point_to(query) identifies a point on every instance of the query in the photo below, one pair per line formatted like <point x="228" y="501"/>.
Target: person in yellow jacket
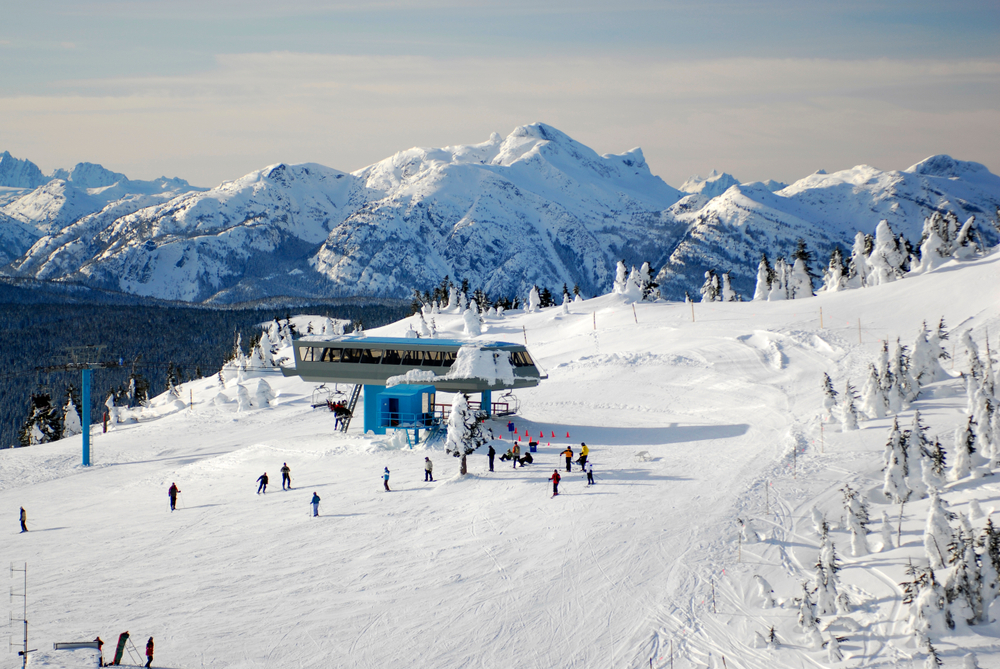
<point x="584" y="452"/>
<point x="569" y="458"/>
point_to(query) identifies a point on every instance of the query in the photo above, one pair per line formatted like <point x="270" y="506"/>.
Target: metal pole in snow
<point x="692" y="311"/>
<point x="637" y="320"/>
<point x="821" y="318"/>
<point x="525" y="335"/>
<point x="85" y="415"/>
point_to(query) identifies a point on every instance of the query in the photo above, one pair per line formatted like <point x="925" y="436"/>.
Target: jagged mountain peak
<point x="713" y="185"/>
<point x="19" y="173"/>
<point x="945" y="166"/>
<point x="90" y="175"/>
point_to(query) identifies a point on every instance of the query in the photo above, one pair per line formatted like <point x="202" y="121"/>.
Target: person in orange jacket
<point x="555" y="482"/>
<point x="569" y="458"/>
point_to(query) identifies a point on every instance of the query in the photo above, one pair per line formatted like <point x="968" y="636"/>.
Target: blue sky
<point x="212" y="90"/>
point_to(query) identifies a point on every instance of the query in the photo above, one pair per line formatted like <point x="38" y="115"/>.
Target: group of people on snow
<point x="123" y="639"/>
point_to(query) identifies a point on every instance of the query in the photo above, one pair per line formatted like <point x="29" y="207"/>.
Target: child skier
<point x="315" y="503"/>
<point x="569" y="458"/>
<point x="590" y="473"/>
<point x="555" y="482"/>
<point x="385" y="479"/>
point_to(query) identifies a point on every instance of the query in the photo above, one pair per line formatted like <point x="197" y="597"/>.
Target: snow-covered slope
<point x="713" y="185"/>
<point x="691" y="424"/>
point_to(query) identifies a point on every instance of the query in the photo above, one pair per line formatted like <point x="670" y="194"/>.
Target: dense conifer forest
<point x="142" y="337"/>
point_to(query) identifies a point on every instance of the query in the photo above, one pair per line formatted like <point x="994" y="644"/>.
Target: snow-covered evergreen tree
<point x="710" y="289"/>
<point x="565" y="303"/>
<point x="965" y="446"/>
<point x="873" y="403"/>
<point x="848" y="410"/>
<point x="649" y="287"/>
<point x="764" y="273"/>
<point x="833" y="652"/>
<point x="989" y="567"/>
<point x="925" y="363"/>
<point x="963" y="586"/>
<point x="973" y="362"/>
<point x="857" y="520"/>
<point x="934" y="470"/>
<point x="765" y="592"/>
<point x="836" y="273"/>
<point x="829" y="398"/>
<point x="887" y="259"/>
<point x="896" y="467"/>
<point x="799" y="281"/>
<point x="466" y="432"/>
<point x="71" y="423"/>
<point x="829" y="598"/>
<point x="728" y="294"/>
<point x="858" y="268"/>
<point x="918" y="455"/>
<point x="934" y="251"/>
<point x="938" y="534"/>
<point x="263" y="395"/>
<point x="473" y="322"/>
<point x="929" y="613"/>
<point x="886" y="531"/>
<point x="807" y="617"/>
<point x="242" y="398"/>
<point x="779" y="281"/>
<point x="621" y="278"/>
<point x="900" y="368"/>
<point x="534" y="300"/>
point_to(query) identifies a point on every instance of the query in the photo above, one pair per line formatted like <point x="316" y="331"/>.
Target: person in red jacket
<point x="555" y="482"/>
<point x="149" y="652"/>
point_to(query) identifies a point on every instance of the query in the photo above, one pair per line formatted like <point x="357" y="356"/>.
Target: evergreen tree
<point x="963" y="587"/>
<point x="934" y="468"/>
<point x="43" y="423"/>
<point x="895" y="487"/>
<point x="621" y="278"/>
<point x="647" y="284"/>
<point x="829" y="398"/>
<point x="545" y="298"/>
<point x="938" y="534"/>
<point x="848" y="410"/>
<point x="887" y="258"/>
<point x="710" y="289"/>
<point x="71" y="423"/>
<point x="858" y="268"/>
<point x="857" y="520"/>
<point x="728" y="294"/>
<point x="534" y="300"/>
<point x="989" y="567"/>
<point x="800" y="283"/>
<point x="965" y="446"/>
<point x="872" y="400"/>
<point x="466" y="431"/>
<point x="764" y="274"/>
<point x="886" y="531"/>
<point x="836" y="273"/>
<point x="779" y="281"/>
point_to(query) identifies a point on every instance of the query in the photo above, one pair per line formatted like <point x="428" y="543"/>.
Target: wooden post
<point x="633" y="314"/>
<point x="859" y="329"/>
<point x="821" y="318"/>
<point x="899" y="528"/>
<point x="692" y="311"/>
<point x="525" y="335"/>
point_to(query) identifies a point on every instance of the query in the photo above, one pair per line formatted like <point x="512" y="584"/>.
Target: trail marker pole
<point x="671" y="654"/>
<point x="191" y="402"/>
<point x="85" y="415"/>
<point x="595" y="320"/>
<point x="692" y="311"/>
<point x="859" y="330"/>
<point x="637" y="320"/>
<point x="821" y="318"/>
<point x="525" y="331"/>
<point x="899" y="527"/>
<point x="739" y="555"/>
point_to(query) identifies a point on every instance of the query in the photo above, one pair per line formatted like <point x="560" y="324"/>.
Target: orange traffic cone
<point x="553" y="435"/>
<point x="500" y="437"/>
<point x="541" y="435"/>
<point x="567" y="435"/>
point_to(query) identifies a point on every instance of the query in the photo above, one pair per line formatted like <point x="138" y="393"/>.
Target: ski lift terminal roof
<point x="374" y="360"/>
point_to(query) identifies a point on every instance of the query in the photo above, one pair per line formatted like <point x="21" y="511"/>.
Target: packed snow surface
<point x="696" y="416"/>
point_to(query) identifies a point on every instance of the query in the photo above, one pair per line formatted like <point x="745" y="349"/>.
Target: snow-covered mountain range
<point x="534" y="208"/>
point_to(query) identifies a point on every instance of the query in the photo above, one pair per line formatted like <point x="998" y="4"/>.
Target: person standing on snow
<point x="24" y="519"/>
<point x="262" y="479"/>
<point x="569" y="458"/>
<point x="100" y="651"/>
<point x="590" y="473"/>
<point x="428" y="470"/>
<point x="584" y="452"/>
<point x="149" y="652"/>
<point x="517" y="454"/>
<point x="315" y="503"/>
<point x="172" y="494"/>
<point x="286" y="476"/>
<point x="385" y="479"/>
<point x="555" y="482"/>
<point x="491" y="454"/>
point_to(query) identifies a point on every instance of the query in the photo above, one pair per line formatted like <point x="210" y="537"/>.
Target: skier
<point x="491" y="454"/>
<point x="172" y="494"/>
<point x="385" y="479"/>
<point x="24" y="519"/>
<point x="315" y="503"/>
<point x="555" y="482"/>
<point x="590" y="473"/>
<point x="516" y="452"/>
<point x="584" y="452"/>
<point x="286" y="476"/>
<point x="569" y="458"/>
<point x="149" y="652"/>
<point x="122" y="638"/>
<point x="262" y="488"/>
<point x="428" y="470"/>
<point x="100" y="651"/>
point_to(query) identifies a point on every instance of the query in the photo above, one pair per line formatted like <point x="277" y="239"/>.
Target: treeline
<point x="158" y="344"/>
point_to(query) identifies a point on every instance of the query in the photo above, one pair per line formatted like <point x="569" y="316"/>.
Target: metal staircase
<point x="353" y="402"/>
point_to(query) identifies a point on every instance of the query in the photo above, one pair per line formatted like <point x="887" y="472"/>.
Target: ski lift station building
<point x="372" y="361"/>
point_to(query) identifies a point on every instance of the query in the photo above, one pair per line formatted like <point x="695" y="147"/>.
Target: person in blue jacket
<point x="315" y="503"/>
<point x="385" y="479"/>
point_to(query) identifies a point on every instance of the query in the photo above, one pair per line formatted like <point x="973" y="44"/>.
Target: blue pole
<point x="85" y="416"/>
<point x="486" y="402"/>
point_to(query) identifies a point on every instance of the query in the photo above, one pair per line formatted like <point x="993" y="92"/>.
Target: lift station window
<point x="371" y="356"/>
<point x="391" y="357"/>
<point x="412" y="358"/>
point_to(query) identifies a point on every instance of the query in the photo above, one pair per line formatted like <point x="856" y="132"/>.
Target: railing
<point x="498" y="409"/>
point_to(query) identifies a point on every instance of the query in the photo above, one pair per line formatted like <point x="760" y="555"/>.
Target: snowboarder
<point x="100" y="651"/>
<point x="555" y="482"/>
<point x="569" y="458"/>
<point x="149" y="652"/>
<point x="385" y="479"/>
<point x="491" y="454"/>
<point x="286" y="476"/>
<point x="584" y="452"/>
<point x="428" y="470"/>
<point x="590" y="473"/>
<point x="24" y="519"/>
<point x="315" y="503"/>
<point x="172" y="494"/>
<point x="122" y="638"/>
<point x="516" y="451"/>
<point x="262" y="488"/>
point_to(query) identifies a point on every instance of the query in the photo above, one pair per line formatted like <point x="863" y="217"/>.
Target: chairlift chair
<point x="321" y="396"/>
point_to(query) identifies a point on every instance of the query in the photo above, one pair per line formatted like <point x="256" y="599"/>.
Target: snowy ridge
<point x="533" y="208"/>
<point x="709" y="453"/>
